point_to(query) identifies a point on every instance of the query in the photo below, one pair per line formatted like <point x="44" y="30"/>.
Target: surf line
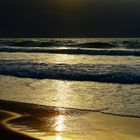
<point x="10" y="116"/>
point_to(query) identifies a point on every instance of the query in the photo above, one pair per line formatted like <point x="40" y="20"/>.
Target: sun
<point x="64" y="4"/>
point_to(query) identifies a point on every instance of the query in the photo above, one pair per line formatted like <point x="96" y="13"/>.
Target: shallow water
<point x="69" y="58"/>
<point x="104" y="97"/>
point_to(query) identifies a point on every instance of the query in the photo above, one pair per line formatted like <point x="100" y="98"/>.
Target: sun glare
<point x="59" y="124"/>
<point x="59" y="137"/>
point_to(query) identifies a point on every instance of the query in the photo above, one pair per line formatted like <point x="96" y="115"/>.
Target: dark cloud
<point x="69" y="18"/>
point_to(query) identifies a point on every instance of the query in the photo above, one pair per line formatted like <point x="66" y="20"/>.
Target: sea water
<point x="90" y="74"/>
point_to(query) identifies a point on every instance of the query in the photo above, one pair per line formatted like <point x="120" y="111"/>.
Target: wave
<point x="79" y="72"/>
<point x="35" y="43"/>
<point x="71" y="43"/>
<point x="93" y="45"/>
<point x="73" y="51"/>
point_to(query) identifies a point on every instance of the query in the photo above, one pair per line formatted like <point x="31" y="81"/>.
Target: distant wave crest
<point x="71" y="43"/>
<point x="73" y="51"/>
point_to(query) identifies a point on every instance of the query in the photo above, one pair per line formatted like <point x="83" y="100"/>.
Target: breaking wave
<point x="133" y="44"/>
<point x="79" y="72"/>
<point x="73" y="51"/>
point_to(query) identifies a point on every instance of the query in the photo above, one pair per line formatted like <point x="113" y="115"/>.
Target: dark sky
<point x="69" y="18"/>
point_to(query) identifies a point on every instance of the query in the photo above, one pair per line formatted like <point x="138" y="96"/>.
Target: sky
<point x="69" y="18"/>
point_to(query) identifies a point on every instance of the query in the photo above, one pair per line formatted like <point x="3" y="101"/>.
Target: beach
<point x="6" y="132"/>
<point x="78" y="124"/>
<point x="70" y="89"/>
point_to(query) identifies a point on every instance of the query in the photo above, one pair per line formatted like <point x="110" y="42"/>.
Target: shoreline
<point x="6" y="132"/>
<point x="10" y="106"/>
<point x="87" y="124"/>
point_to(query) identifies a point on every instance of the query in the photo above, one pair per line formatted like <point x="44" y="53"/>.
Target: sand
<point x="51" y="123"/>
<point x="7" y="132"/>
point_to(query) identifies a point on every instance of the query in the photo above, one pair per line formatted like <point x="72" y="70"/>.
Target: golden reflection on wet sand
<point x="76" y="125"/>
<point x="59" y="124"/>
<point x="58" y="137"/>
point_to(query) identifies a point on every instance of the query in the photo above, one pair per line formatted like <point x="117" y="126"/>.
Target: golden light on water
<point x="63" y="58"/>
<point x="62" y="93"/>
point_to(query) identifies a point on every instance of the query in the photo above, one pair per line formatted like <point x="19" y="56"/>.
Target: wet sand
<point x="6" y="132"/>
<point x="24" y="121"/>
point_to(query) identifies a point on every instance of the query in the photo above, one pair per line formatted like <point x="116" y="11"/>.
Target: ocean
<point x="89" y="74"/>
